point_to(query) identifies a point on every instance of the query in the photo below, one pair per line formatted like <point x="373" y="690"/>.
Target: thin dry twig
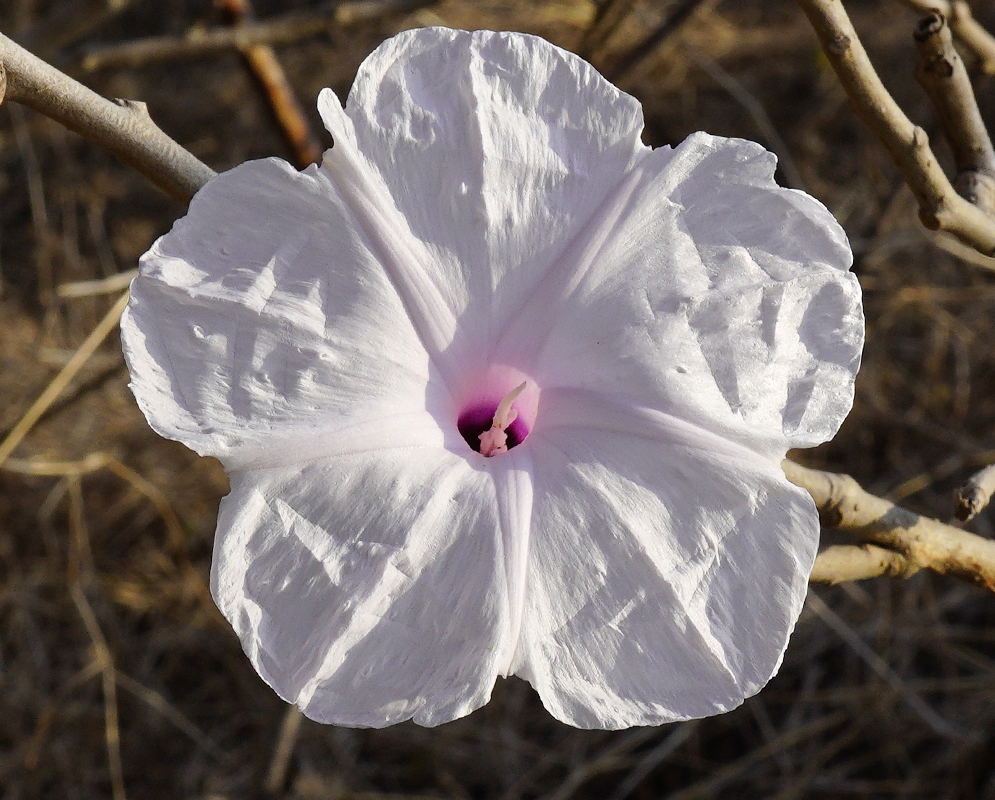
<point x="942" y="74"/>
<point x="123" y="127"/>
<point x="276" y="775"/>
<point x="262" y="61"/>
<point x="678" y="15"/>
<point x="281" y="30"/>
<point x="975" y="494"/>
<point x="169" y="712"/>
<point x="68" y="22"/>
<point x="200" y="42"/>
<point x="109" y="285"/>
<point x="940" y="207"/>
<point x="102" y="653"/>
<point x="926" y="543"/>
<point x="606" y="20"/>
<point x="714" y="783"/>
<point x="74" y="470"/>
<point x="842" y="563"/>
<point x="768" y="133"/>
<point x="652" y="759"/>
<point x="880" y="666"/>
<point x="62" y="380"/>
<point x="965" y="27"/>
<point x="614" y="757"/>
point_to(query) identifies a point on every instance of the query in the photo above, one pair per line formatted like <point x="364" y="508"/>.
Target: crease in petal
<point x="526" y="332"/>
<point x="582" y="410"/>
<point x="347" y="437"/>
<point x="513" y="481"/>
<point x="401" y="254"/>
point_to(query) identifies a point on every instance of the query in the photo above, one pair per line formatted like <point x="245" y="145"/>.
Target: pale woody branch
<point x="942" y="74"/>
<point x="925" y="543"/>
<point x="940" y="207"/>
<point x="842" y="563"/>
<point x="124" y="128"/>
<point x="975" y="494"/>
<point x="965" y="27"/>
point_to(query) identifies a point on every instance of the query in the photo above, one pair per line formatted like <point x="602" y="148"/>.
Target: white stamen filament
<point x="495" y="439"/>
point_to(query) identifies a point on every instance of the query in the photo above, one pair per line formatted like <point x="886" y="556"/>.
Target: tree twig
<point x="286" y="29"/>
<point x="266" y="69"/>
<point x="675" y="19"/>
<point x="124" y="128"/>
<point x="62" y="380"/>
<point x="965" y="27"/>
<point x="925" y="711"/>
<point x="198" y="42"/>
<point x="276" y="775"/>
<point x="940" y="207"/>
<point x="942" y="74"/>
<point x="842" y="563"/>
<point x="67" y="22"/>
<point x="925" y="542"/>
<point x="606" y="20"/>
<point x="770" y="137"/>
<point x="972" y="497"/>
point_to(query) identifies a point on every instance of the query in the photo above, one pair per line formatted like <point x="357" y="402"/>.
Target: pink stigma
<point x="495" y="440"/>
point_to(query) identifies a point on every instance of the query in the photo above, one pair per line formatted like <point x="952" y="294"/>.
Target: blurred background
<point x="118" y="676"/>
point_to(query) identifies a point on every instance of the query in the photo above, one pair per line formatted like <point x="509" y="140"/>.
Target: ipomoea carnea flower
<point x="503" y="391"/>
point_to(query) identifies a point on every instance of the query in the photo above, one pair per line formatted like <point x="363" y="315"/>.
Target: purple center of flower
<point x="497" y="408"/>
<point x="493" y="429"/>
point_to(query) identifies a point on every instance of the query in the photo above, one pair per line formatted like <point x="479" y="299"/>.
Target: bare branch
<point x="62" y="380"/>
<point x="281" y="30"/>
<point x="940" y="207"/>
<point x="68" y="22"/>
<point x="197" y="42"/>
<point x="925" y="542"/>
<point x="970" y="32"/>
<point x="965" y="27"/>
<point x="265" y="66"/>
<point x="276" y="775"/>
<point x="124" y="128"/>
<point x="975" y="494"/>
<point x="942" y="74"/>
<point x="678" y="15"/>
<point x="606" y="20"/>
<point x="842" y="563"/>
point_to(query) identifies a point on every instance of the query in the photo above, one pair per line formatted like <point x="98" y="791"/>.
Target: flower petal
<point x="368" y="590"/>
<point x="496" y="147"/>
<point x="717" y="297"/>
<point x="665" y="572"/>
<point x="263" y="320"/>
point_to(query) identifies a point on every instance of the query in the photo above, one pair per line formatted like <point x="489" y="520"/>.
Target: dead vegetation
<point x="117" y="675"/>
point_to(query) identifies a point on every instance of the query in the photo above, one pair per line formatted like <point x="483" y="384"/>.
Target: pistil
<point x="495" y="440"/>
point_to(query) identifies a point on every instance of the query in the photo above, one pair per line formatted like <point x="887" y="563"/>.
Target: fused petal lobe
<point x="665" y="574"/>
<point x="497" y="148"/>
<point x="349" y="583"/>
<point x="718" y="297"/>
<point x="263" y="317"/>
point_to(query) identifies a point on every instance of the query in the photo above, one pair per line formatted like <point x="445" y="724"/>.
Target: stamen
<point x="495" y="440"/>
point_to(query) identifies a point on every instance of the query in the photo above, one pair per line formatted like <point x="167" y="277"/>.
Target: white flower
<point x="339" y="337"/>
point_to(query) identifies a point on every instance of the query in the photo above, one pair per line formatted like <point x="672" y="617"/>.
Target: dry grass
<point x="117" y="675"/>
